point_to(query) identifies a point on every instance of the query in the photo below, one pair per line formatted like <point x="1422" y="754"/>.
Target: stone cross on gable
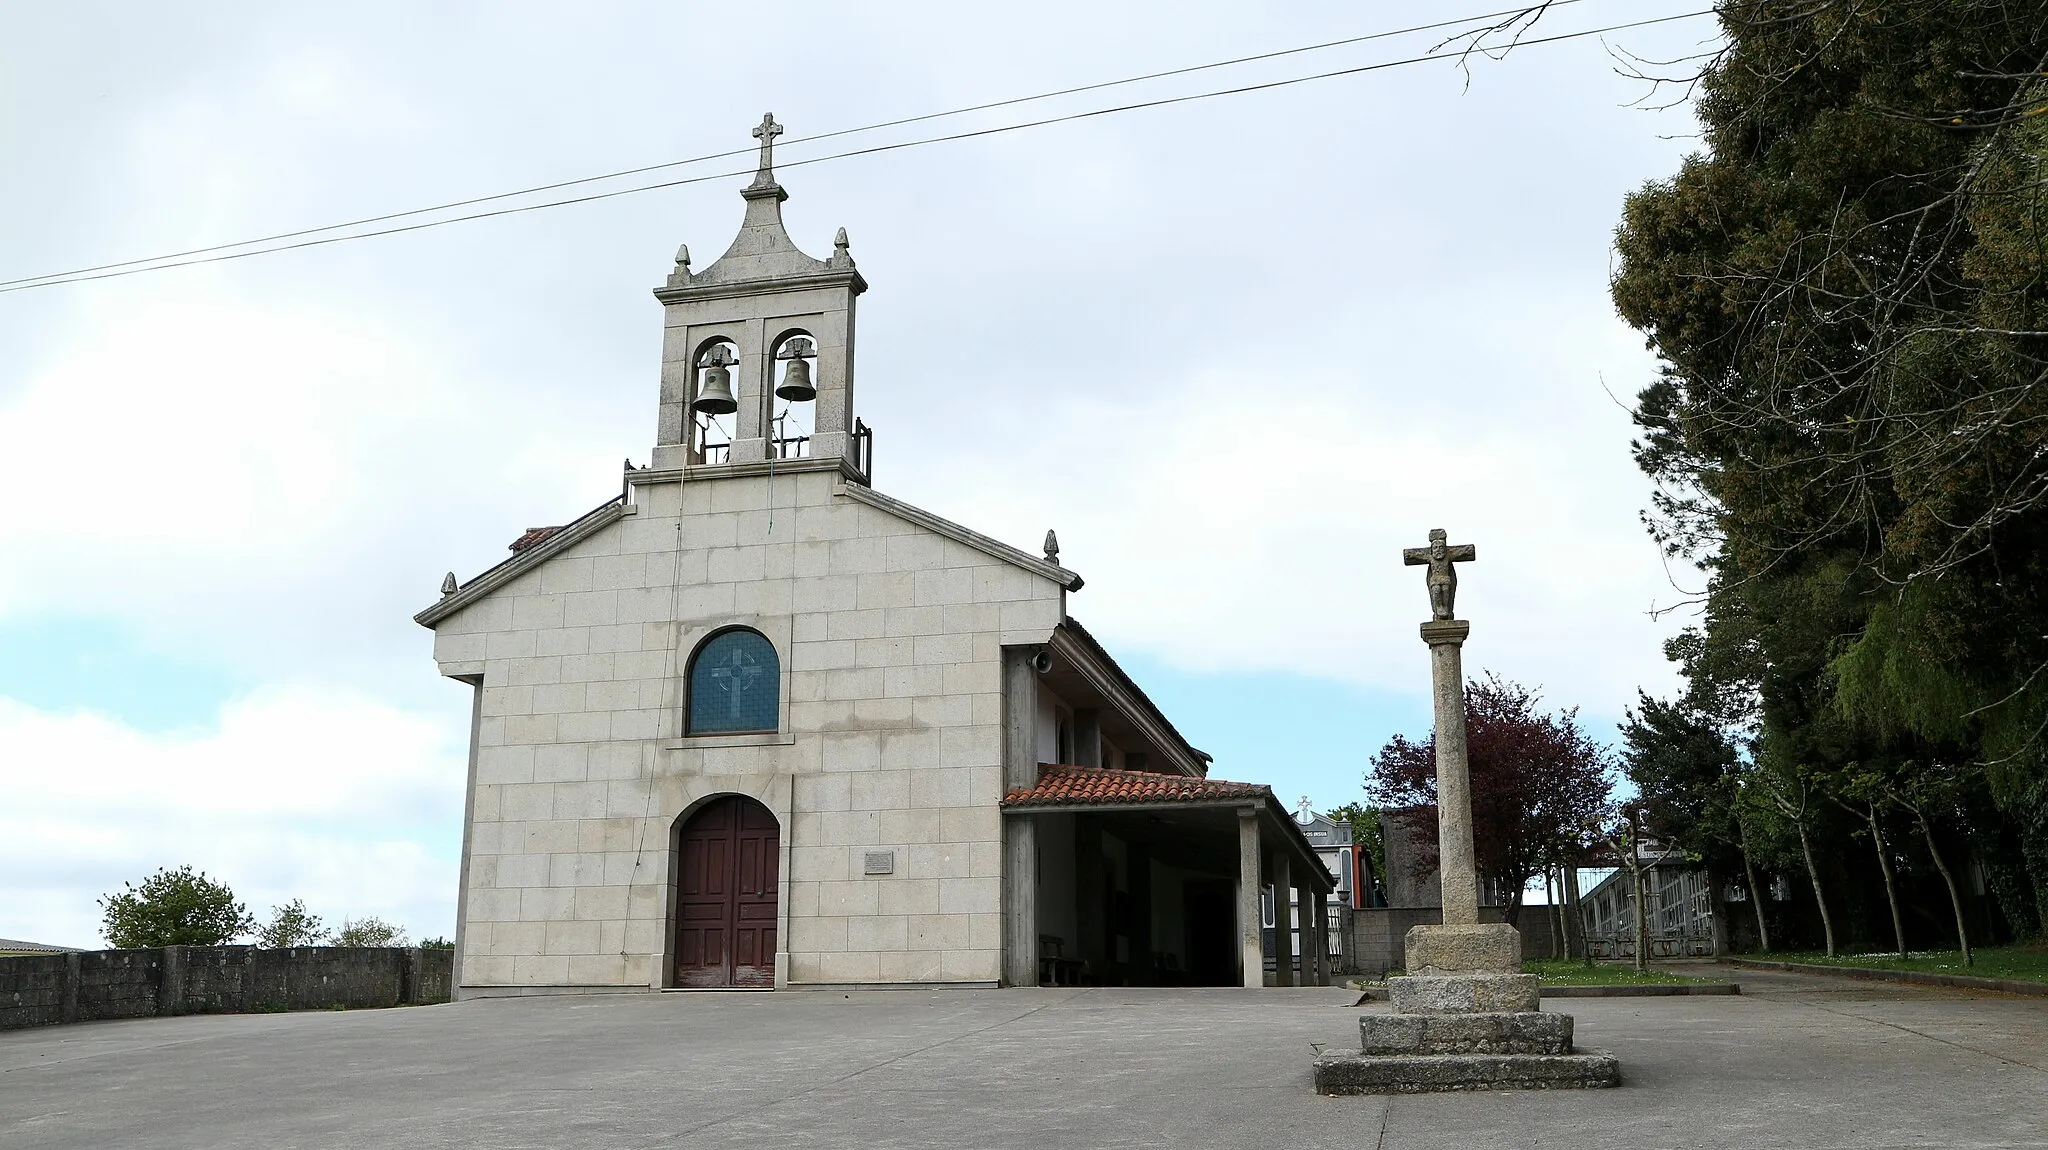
<point x="766" y="132"/>
<point x="1443" y="578"/>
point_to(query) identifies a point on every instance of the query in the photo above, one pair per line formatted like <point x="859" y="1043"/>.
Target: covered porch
<point x="1145" y="879"/>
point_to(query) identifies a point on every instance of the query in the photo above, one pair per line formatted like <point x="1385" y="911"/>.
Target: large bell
<point x="796" y="378"/>
<point x="715" y="396"/>
<point x="796" y="382"/>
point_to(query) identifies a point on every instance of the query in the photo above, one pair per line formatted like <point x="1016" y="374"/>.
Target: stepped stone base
<point x="1520" y="1032"/>
<point x="1463" y="993"/>
<point x="1353" y="1072"/>
<point x="1472" y="948"/>
<point x="1464" y="1018"/>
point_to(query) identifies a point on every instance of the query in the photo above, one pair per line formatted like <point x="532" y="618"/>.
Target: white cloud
<point x="353" y="805"/>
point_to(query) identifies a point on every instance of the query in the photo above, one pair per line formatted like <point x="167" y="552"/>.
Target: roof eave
<point x="583" y="527"/>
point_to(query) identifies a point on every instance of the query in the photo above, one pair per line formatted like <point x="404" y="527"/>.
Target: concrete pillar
<point x="1088" y="737"/>
<point x="67" y="1003"/>
<point x="1252" y="956"/>
<point x="1283" y="929"/>
<point x="476" y="720"/>
<point x="170" y="987"/>
<point x="1458" y="871"/>
<point x="1311" y="936"/>
<point x="1020" y="832"/>
<point x="1020" y="900"/>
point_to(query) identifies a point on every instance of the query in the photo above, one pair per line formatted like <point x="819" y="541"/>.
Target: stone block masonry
<point x="88" y="986"/>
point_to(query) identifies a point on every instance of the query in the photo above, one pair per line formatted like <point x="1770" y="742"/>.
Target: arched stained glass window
<point x="735" y="684"/>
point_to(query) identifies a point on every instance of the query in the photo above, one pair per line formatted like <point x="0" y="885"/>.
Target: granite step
<point x="1355" y="1072"/>
<point x="1517" y="1032"/>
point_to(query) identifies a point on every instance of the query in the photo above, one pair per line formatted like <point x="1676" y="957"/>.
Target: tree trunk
<point x="1827" y="924"/>
<point x="1635" y="874"/>
<point x="1574" y="923"/>
<point x="1756" y="896"/>
<point x="1550" y="896"/>
<point x="1955" y="898"/>
<point x="1891" y="886"/>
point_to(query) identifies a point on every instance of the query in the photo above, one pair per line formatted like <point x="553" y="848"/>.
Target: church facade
<point x="754" y="723"/>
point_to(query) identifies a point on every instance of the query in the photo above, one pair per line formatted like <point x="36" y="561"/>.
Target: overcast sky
<point x="1238" y="351"/>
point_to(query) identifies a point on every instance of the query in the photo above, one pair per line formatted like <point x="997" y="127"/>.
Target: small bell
<point x="715" y="396"/>
<point x="796" y="383"/>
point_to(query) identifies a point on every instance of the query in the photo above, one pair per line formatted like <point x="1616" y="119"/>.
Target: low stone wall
<point x="39" y="990"/>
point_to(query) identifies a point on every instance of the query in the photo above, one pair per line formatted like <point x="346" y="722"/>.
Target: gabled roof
<point x="527" y="552"/>
<point x="1063" y="785"/>
<point x="995" y="548"/>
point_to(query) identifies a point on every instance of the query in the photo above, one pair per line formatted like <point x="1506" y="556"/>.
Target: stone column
<point x="1251" y="954"/>
<point x="1020" y="831"/>
<point x="1305" y="899"/>
<point x="1457" y="872"/>
<point x="1020" y="900"/>
<point x="1283" y="931"/>
<point x="1325" y="967"/>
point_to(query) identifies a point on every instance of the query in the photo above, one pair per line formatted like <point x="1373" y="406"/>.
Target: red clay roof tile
<point x="1063" y="785"/>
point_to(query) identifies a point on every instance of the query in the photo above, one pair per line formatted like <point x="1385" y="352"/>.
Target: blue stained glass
<point x="735" y="685"/>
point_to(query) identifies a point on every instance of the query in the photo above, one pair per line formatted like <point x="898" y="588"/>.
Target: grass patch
<point x="1572" y="972"/>
<point x="2024" y="961"/>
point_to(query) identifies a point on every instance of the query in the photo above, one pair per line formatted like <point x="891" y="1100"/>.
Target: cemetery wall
<point x="38" y="990"/>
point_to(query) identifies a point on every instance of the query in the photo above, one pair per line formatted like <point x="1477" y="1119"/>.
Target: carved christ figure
<point x="1442" y="579"/>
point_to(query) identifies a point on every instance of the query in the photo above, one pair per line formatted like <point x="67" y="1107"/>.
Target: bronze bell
<point x="796" y="378"/>
<point x="715" y="396"/>
<point x="796" y="382"/>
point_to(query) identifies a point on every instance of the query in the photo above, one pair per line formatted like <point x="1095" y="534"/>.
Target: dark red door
<point x="725" y="895"/>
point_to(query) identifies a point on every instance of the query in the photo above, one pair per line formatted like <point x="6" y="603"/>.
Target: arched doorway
<point x="726" y="868"/>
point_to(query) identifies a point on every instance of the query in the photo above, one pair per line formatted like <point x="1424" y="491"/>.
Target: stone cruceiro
<point x="1464" y="1017"/>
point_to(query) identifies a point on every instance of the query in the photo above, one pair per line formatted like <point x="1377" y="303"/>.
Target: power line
<point x="792" y="141"/>
<point x="122" y="269"/>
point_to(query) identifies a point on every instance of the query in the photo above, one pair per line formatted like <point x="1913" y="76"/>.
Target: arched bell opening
<point x="793" y="412"/>
<point x="727" y="855"/>
<point x="713" y="401"/>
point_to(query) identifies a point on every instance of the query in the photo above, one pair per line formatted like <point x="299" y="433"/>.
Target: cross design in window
<point x="736" y="677"/>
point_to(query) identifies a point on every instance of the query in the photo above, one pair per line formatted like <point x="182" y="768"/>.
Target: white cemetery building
<point x="754" y="723"/>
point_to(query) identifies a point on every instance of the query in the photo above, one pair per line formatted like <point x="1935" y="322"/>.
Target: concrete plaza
<point x="1795" y="1061"/>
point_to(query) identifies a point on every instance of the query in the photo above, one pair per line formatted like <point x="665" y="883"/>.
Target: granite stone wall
<point x="88" y="986"/>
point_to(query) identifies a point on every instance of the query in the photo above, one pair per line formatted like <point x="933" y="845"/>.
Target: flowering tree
<point x="1539" y="786"/>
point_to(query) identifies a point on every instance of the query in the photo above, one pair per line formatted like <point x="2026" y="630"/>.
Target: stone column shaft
<point x="1283" y="928"/>
<point x="1251" y="953"/>
<point x="1457" y="872"/>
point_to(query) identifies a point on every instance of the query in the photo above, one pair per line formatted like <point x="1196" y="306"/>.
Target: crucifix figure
<point x="1443" y="578"/>
<point x="766" y="132"/>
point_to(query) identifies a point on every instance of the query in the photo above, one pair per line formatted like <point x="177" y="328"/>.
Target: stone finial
<point x="841" y="257"/>
<point x="448" y="584"/>
<point x="839" y="239"/>
<point x="683" y="257"/>
<point x="1052" y="548"/>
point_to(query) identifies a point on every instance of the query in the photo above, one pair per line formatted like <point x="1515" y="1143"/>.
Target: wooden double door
<point x="727" y="861"/>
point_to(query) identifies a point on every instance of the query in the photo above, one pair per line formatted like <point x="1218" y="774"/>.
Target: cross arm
<point x="1462" y="553"/>
<point x="1414" y="556"/>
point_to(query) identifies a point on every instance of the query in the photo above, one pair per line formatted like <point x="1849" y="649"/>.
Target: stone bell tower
<point x="757" y="349"/>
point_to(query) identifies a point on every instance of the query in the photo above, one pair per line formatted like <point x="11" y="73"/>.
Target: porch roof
<point x="1063" y="785"/>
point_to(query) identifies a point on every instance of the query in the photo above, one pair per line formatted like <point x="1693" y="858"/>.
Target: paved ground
<point x="1797" y="1061"/>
